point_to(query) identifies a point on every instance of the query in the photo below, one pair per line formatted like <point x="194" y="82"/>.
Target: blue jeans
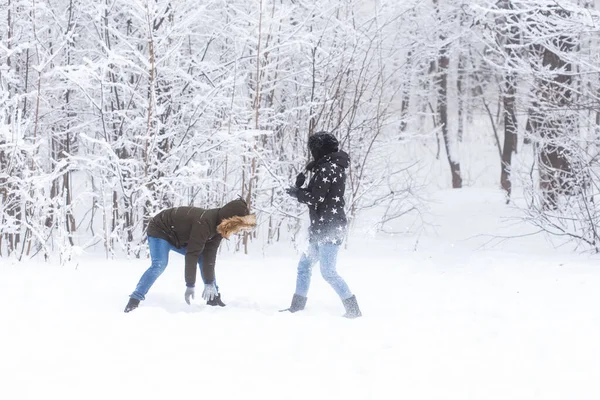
<point x="159" y="254"/>
<point x="326" y="255"/>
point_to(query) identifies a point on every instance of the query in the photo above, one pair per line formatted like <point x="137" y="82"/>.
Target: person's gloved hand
<point x="210" y="291"/>
<point x="292" y="191"/>
<point x="190" y="292"/>
<point x="300" y="179"/>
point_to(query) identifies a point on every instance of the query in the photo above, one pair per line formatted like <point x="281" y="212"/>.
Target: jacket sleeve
<point x="198" y="238"/>
<point x="318" y="192"/>
<point x="209" y="256"/>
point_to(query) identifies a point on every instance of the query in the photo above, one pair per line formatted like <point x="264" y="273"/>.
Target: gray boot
<point x="351" y="306"/>
<point x="298" y="304"/>
<point x="132" y="304"/>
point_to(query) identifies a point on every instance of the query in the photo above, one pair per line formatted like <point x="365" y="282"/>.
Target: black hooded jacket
<point x="324" y="196"/>
<point x="195" y="229"/>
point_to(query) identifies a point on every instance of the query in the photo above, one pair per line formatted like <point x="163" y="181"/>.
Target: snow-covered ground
<point x="447" y="315"/>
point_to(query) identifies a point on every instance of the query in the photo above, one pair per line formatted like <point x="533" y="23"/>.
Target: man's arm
<point x="209" y="256"/>
<point x="198" y="238"/>
<point x="321" y="187"/>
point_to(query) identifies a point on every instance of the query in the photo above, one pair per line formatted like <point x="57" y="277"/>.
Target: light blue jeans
<point x="159" y="254"/>
<point x="326" y="255"/>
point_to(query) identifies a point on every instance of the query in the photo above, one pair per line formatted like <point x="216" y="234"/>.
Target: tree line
<point x="113" y="110"/>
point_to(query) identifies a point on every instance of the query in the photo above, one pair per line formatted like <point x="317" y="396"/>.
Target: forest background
<point x="113" y="110"/>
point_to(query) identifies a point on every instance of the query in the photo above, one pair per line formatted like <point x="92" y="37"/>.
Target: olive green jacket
<point x="195" y="229"/>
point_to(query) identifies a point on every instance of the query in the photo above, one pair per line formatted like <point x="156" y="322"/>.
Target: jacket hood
<point x="235" y="208"/>
<point x="321" y="144"/>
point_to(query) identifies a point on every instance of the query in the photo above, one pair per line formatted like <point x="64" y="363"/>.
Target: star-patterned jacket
<point x="324" y="196"/>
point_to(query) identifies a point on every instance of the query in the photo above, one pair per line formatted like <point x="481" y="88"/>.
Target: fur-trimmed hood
<point x="234" y="217"/>
<point x="236" y="224"/>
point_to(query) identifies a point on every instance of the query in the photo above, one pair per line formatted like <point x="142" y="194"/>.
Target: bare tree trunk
<point x="443" y="63"/>
<point x="510" y="132"/>
<point x="443" y="113"/>
<point x="555" y="121"/>
<point x="70" y="218"/>
<point x="460" y="86"/>
<point x="6" y="194"/>
<point x="509" y="36"/>
<point x="4" y="191"/>
<point x="257" y="106"/>
<point x="406" y="87"/>
<point x="151" y="79"/>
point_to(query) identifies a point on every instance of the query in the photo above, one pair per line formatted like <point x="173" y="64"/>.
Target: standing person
<point x="324" y="197"/>
<point x="196" y="233"/>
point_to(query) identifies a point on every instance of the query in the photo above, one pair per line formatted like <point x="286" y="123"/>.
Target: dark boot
<point x="351" y="306"/>
<point x="298" y="304"/>
<point x="216" y="301"/>
<point x="132" y="304"/>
